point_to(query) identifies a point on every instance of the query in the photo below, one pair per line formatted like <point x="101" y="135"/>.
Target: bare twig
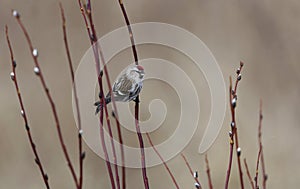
<point x="88" y="19"/>
<point x="13" y="76"/>
<point x="256" y="170"/>
<point x="233" y="133"/>
<point x="197" y="182"/>
<point x="89" y="13"/>
<point x="81" y="153"/>
<point x="39" y="73"/>
<point x="161" y="158"/>
<point x="137" y="101"/>
<point x="133" y="47"/>
<point x="231" y="136"/>
<point x="265" y="176"/>
<point x="208" y="173"/>
<point x="238" y="149"/>
<point x="248" y="174"/>
<point x="115" y="110"/>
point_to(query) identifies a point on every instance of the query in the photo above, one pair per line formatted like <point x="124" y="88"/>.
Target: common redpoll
<point x="126" y="87"/>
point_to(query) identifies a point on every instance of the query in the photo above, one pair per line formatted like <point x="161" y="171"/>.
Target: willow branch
<point x="161" y="158"/>
<point x="88" y="20"/>
<point x="233" y="133"/>
<point x="248" y="174"/>
<point x="194" y="174"/>
<point x="81" y="153"/>
<point x="13" y="76"/>
<point x="265" y="176"/>
<point x="208" y="173"/>
<point x="231" y="139"/>
<point x="133" y="47"/>
<point x="137" y="101"/>
<point x="256" y="170"/>
<point x="38" y="72"/>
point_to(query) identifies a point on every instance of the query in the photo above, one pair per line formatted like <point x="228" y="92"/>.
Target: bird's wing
<point x="123" y="86"/>
<point x="135" y="91"/>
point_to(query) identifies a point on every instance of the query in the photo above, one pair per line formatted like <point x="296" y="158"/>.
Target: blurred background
<point x="263" y="34"/>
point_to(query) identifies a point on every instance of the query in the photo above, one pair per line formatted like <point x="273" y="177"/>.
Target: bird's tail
<point x="99" y="105"/>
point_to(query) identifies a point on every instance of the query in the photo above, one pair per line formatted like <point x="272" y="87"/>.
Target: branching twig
<point x="88" y="19"/>
<point x="39" y="73"/>
<point x="115" y="110"/>
<point x="13" y="76"/>
<point x="140" y="137"/>
<point x="134" y="51"/>
<point x="233" y="133"/>
<point x="256" y="170"/>
<point x="248" y="174"/>
<point x="81" y="153"/>
<point x="197" y="182"/>
<point x="265" y="176"/>
<point x="161" y="158"/>
<point x="208" y="173"/>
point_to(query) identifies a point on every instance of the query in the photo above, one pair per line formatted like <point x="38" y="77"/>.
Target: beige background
<point x="264" y="34"/>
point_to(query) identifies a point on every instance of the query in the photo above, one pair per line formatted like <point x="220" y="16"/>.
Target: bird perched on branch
<point x="126" y="87"/>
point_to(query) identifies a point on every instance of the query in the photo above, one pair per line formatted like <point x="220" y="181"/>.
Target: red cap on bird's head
<point x="140" y="67"/>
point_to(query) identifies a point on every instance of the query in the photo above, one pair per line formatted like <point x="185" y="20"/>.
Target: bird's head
<point x="137" y="71"/>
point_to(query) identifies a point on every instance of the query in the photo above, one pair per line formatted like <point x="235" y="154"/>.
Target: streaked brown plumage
<point x="126" y="87"/>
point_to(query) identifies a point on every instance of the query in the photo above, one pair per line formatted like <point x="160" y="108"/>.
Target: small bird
<point x="126" y="87"/>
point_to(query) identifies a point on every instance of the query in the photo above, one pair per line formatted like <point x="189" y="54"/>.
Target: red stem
<point x="234" y="134"/>
<point x="116" y="116"/>
<point x="134" y="51"/>
<point x="248" y="174"/>
<point x="239" y="161"/>
<point x="256" y="170"/>
<point x="261" y="146"/>
<point x="52" y="104"/>
<point x="140" y="137"/>
<point x="81" y="154"/>
<point x="94" y="34"/>
<point x="141" y="142"/>
<point x="231" y="138"/>
<point x="208" y="173"/>
<point x="30" y="138"/>
<point x="161" y="158"/>
<point x="190" y="169"/>
<point x="96" y="48"/>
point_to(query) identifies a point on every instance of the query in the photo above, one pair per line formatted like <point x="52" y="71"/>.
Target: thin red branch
<point x="24" y="115"/>
<point x="238" y="152"/>
<point x="133" y="47"/>
<point x="248" y="174"/>
<point x="39" y="73"/>
<point x="231" y="138"/>
<point x="233" y="133"/>
<point x="141" y="142"/>
<point x="94" y="40"/>
<point x="116" y="116"/>
<point x="137" y="101"/>
<point x="191" y="170"/>
<point x="87" y="16"/>
<point x="256" y="170"/>
<point x="113" y="148"/>
<point x="261" y="147"/>
<point x="94" y="34"/>
<point x="81" y="153"/>
<point x="239" y="161"/>
<point x="161" y="158"/>
<point x="208" y="173"/>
